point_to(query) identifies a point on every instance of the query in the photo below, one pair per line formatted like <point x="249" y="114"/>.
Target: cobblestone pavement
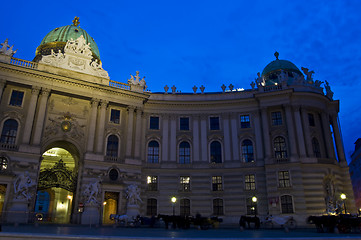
<point x="48" y="231"/>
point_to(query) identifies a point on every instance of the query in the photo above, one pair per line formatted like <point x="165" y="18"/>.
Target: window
<point x="112" y="146"/>
<point x="9" y="132"/>
<point x="250" y="182"/>
<point x="151" y="207"/>
<point x="153" y="152"/>
<point x="276" y="118"/>
<point x="154" y="123"/>
<point x="251" y="206"/>
<point x="245" y="122"/>
<point x="217" y="183"/>
<point x="152" y="183"/>
<point x="185" y="207"/>
<point x="184" y="123"/>
<point x="113" y="174"/>
<point x="280" y="148"/>
<point x="216" y="152"/>
<point x="184" y="153"/>
<point x="3" y="163"/>
<point x="316" y="148"/>
<point x="16" y="98"/>
<point x="284" y="179"/>
<point x="185" y="183"/>
<point x="214" y="123"/>
<point x="286" y="204"/>
<point x="247" y="151"/>
<point x="217" y="206"/>
<point x="311" y="120"/>
<point x="115" y="116"/>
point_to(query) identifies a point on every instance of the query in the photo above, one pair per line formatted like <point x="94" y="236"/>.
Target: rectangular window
<point x="217" y="207"/>
<point x="276" y="118"/>
<point x="251" y="206"/>
<point x="184" y="123"/>
<point x="214" y="123"/>
<point x="217" y="183"/>
<point x="185" y="207"/>
<point x="284" y="179"/>
<point x="286" y="204"/>
<point x="152" y="183"/>
<point x="245" y="122"/>
<point x="16" y="98"/>
<point x="311" y="120"/>
<point x="151" y="207"/>
<point x="185" y="183"/>
<point x="250" y="182"/>
<point x="154" y="123"/>
<point x="115" y="116"/>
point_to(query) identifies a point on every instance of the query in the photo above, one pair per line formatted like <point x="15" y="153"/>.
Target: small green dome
<point x="278" y="65"/>
<point x="57" y="38"/>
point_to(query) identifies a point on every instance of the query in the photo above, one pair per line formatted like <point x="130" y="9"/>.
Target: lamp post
<point x="343" y="197"/>
<point x="174" y="200"/>
<point x="254" y="200"/>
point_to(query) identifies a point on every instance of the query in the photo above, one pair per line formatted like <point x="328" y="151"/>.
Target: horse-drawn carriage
<point x="342" y="223"/>
<point x="287" y="222"/>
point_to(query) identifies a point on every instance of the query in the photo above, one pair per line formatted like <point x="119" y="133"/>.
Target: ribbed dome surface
<point x="278" y="65"/>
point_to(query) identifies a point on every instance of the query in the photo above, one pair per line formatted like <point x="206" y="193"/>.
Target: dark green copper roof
<point x="279" y="64"/>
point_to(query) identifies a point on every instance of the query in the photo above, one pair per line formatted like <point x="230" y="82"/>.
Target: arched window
<point x="216" y="152"/>
<point x="153" y="152"/>
<point x="185" y="207"/>
<point x="286" y="204"/>
<point x="280" y="148"/>
<point x="184" y="153"/>
<point x="112" y="146"/>
<point x="316" y="148"/>
<point x="247" y="151"/>
<point x="3" y="163"/>
<point x="9" y="132"/>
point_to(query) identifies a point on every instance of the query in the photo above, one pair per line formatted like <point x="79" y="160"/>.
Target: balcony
<point x="8" y="146"/>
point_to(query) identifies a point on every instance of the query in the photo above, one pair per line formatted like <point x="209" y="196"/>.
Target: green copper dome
<point x="278" y="65"/>
<point x="57" y="38"/>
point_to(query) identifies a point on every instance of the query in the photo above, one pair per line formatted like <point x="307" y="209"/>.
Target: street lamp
<point x="343" y="197"/>
<point x="254" y="200"/>
<point x="174" y="200"/>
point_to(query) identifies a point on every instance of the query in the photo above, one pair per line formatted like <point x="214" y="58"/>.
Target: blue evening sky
<point x="208" y="42"/>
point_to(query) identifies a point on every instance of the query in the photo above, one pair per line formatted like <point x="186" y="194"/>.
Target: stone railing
<point x="282" y="160"/>
<point x="272" y="88"/>
<point x="119" y="85"/>
<point x="9" y="147"/>
<point x="23" y="63"/>
<point x="112" y="159"/>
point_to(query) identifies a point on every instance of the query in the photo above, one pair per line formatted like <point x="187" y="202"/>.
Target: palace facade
<point x="76" y="146"/>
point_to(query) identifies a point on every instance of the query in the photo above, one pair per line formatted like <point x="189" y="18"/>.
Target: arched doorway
<point x="56" y="186"/>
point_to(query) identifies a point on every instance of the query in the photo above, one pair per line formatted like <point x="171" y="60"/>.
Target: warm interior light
<point x="70" y="197"/>
<point x="104" y="203"/>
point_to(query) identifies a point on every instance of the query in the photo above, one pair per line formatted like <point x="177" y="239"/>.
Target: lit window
<point x="217" y="206"/>
<point x="245" y="122"/>
<point x="286" y="204"/>
<point x="115" y="116"/>
<point x="112" y="146"/>
<point x="247" y="151"/>
<point x="184" y="153"/>
<point x="184" y="123"/>
<point x="16" y="98"/>
<point x="216" y="152"/>
<point x="217" y="183"/>
<point x="151" y="207"/>
<point x="214" y="123"/>
<point x="280" y="148"/>
<point x="185" y="183"/>
<point x="152" y="183"/>
<point x="154" y="123"/>
<point x="153" y="152"/>
<point x="185" y="207"/>
<point x="3" y="163"/>
<point x="9" y="132"/>
<point x="284" y="179"/>
<point x="276" y="118"/>
<point x="250" y="182"/>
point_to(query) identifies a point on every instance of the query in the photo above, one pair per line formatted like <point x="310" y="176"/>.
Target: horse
<point x="247" y="219"/>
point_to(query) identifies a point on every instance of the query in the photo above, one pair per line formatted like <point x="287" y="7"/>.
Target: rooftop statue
<point x="329" y="93"/>
<point x="6" y="49"/>
<point x="308" y="74"/>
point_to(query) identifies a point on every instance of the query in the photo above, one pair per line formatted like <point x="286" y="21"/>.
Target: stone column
<point x="299" y="130"/>
<point x="92" y="124"/>
<point x="30" y="115"/>
<point x="338" y="139"/>
<point x="291" y="133"/>
<point x="327" y="135"/>
<point x="227" y="137"/>
<point x="2" y="86"/>
<point x="266" y="136"/>
<point x="101" y="126"/>
<point x="258" y="132"/>
<point x="307" y="133"/>
<point x="204" y="139"/>
<point x="39" y="125"/>
<point x="173" y="139"/>
<point x="138" y="131"/>
<point x="165" y="137"/>
<point x="195" y="131"/>
<point x="234" y="133"/>
<point x="128" y="151"/>
<point x="143" y="140"/>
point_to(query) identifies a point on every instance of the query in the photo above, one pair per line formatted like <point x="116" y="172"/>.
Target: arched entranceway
<point x="56" y="185"/>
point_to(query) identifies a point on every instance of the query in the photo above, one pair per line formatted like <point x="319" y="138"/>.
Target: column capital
<point x="2" y="82"/>
<point x="103" y="103"/>
<point x="45" y="92"/>
<point x="35" y="90"/>
<point x="131" y="108"/>
<point x="94" y="102"/>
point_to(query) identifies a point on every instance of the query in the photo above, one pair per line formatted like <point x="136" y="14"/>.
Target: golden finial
<point x="76" y="21"/>
<point x="276" y="55"/>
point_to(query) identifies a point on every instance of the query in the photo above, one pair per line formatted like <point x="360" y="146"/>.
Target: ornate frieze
<point x="66" y="124"/>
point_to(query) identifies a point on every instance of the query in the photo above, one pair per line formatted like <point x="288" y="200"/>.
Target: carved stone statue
<point x="133" y="195"/>
<point x="329" y="93"/>
<point x="282" y="77"/>
<point x="136" y="84"/>
<point x="4" y="49"/>
<point x="259" y="79"/>
<point x="308" y="74"/>
<point x="91" y="191"/>
<point x="22" y="185"/>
